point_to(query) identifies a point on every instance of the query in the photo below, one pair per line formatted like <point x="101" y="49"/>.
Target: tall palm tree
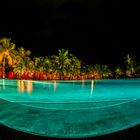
<point x="39" y="66"/>
<point x="74" y="66"/>
<point x="6" y="53"/>
<point x="130" y="65"/>
<point x="49" y="65"/>
<point x="128" y="59"/>
<point x="39" y="63"/>
<point x="23" y="66"/>
<point x="22" y="62"/>
<point x="62" y="61"/>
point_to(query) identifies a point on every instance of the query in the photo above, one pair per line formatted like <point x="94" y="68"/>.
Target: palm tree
<point x="22" y="62"/>
<point x="23" y="53"/>
<point x="74" y="66"/>
<point x="20" y="68"/>
<point x="128" y="59"/>
<point x="6" y="53"/>
<point x="90" y="71"/>
<point x="47" y="63"/>
<point x="39" y="66"/>
<point x="130" y="65"/>
<point x="51" y="68"/>
<point x="102" y="71"/>
<point x="24" y="66"/>
<point x="118" y="72"/>
<point x="62" y="62"/>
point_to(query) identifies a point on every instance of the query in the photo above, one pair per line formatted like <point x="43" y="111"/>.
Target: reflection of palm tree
<point x="29" y="86"/>
<point x="22" y="86"/>
<point x="92" y="86"/>
<point x="6" y="52"/>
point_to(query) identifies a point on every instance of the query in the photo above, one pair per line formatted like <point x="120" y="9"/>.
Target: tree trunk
<point x="3" y="68"/>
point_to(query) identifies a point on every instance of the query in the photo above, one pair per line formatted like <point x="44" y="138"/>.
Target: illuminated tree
<point x="130" y="65"/>
<point x="6" y="53"/>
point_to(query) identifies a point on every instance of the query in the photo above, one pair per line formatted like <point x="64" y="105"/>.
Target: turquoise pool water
<point x="70" y="108"/>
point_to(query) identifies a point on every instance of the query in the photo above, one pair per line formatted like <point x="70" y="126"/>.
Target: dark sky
<point x="96" y="31"/>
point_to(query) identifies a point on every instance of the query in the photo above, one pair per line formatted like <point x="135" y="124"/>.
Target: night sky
<point x="96" y="31"/>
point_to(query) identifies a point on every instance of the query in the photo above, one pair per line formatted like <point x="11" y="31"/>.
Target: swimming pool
<point x="70" y="109"/>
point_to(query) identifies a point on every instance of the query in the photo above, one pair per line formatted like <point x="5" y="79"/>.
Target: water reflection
<point x="92" y="86"/>
<point x="48" y="85"/>
<point x="2" y="84"/>
<point x="55" y="86"/>
<point x="83" y="83"/>
<point x="25" y="86"/>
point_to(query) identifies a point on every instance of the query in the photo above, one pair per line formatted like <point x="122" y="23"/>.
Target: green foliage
<point x="6" y="53"/>
<point x="64" y="64"/>
<point x="118" y="72"/>
<point x="102" y="70"/>
<point x="130" y="65"/>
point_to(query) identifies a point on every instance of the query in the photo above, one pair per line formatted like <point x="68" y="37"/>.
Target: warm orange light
<point x="55" y="85"/>
<point x="22" y="88"/>
<point x="83" y="83"/>
<point x="19" y="85"/>
<point x="29" y="86"/>
<point x="92" y="86"/>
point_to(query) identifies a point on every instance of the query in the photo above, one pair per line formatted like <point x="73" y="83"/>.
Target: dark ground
<point x="128" y="134"/>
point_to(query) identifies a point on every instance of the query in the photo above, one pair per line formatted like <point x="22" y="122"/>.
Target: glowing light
<point x="22" y="87"/>
<point x="25" y="86"/>
<point x="29" y="86"/>
<point x="19" y="85"/>
<point x="83" y="83"/>
<point x="55" y="85"/>
<point x="92" y="86"/>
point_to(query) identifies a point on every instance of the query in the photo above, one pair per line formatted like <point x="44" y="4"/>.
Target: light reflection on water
<point x="92" y="86"/>
<point x="25" y="86"/>
<point x="84" y="90"/>
<point x="28" y="86"/>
